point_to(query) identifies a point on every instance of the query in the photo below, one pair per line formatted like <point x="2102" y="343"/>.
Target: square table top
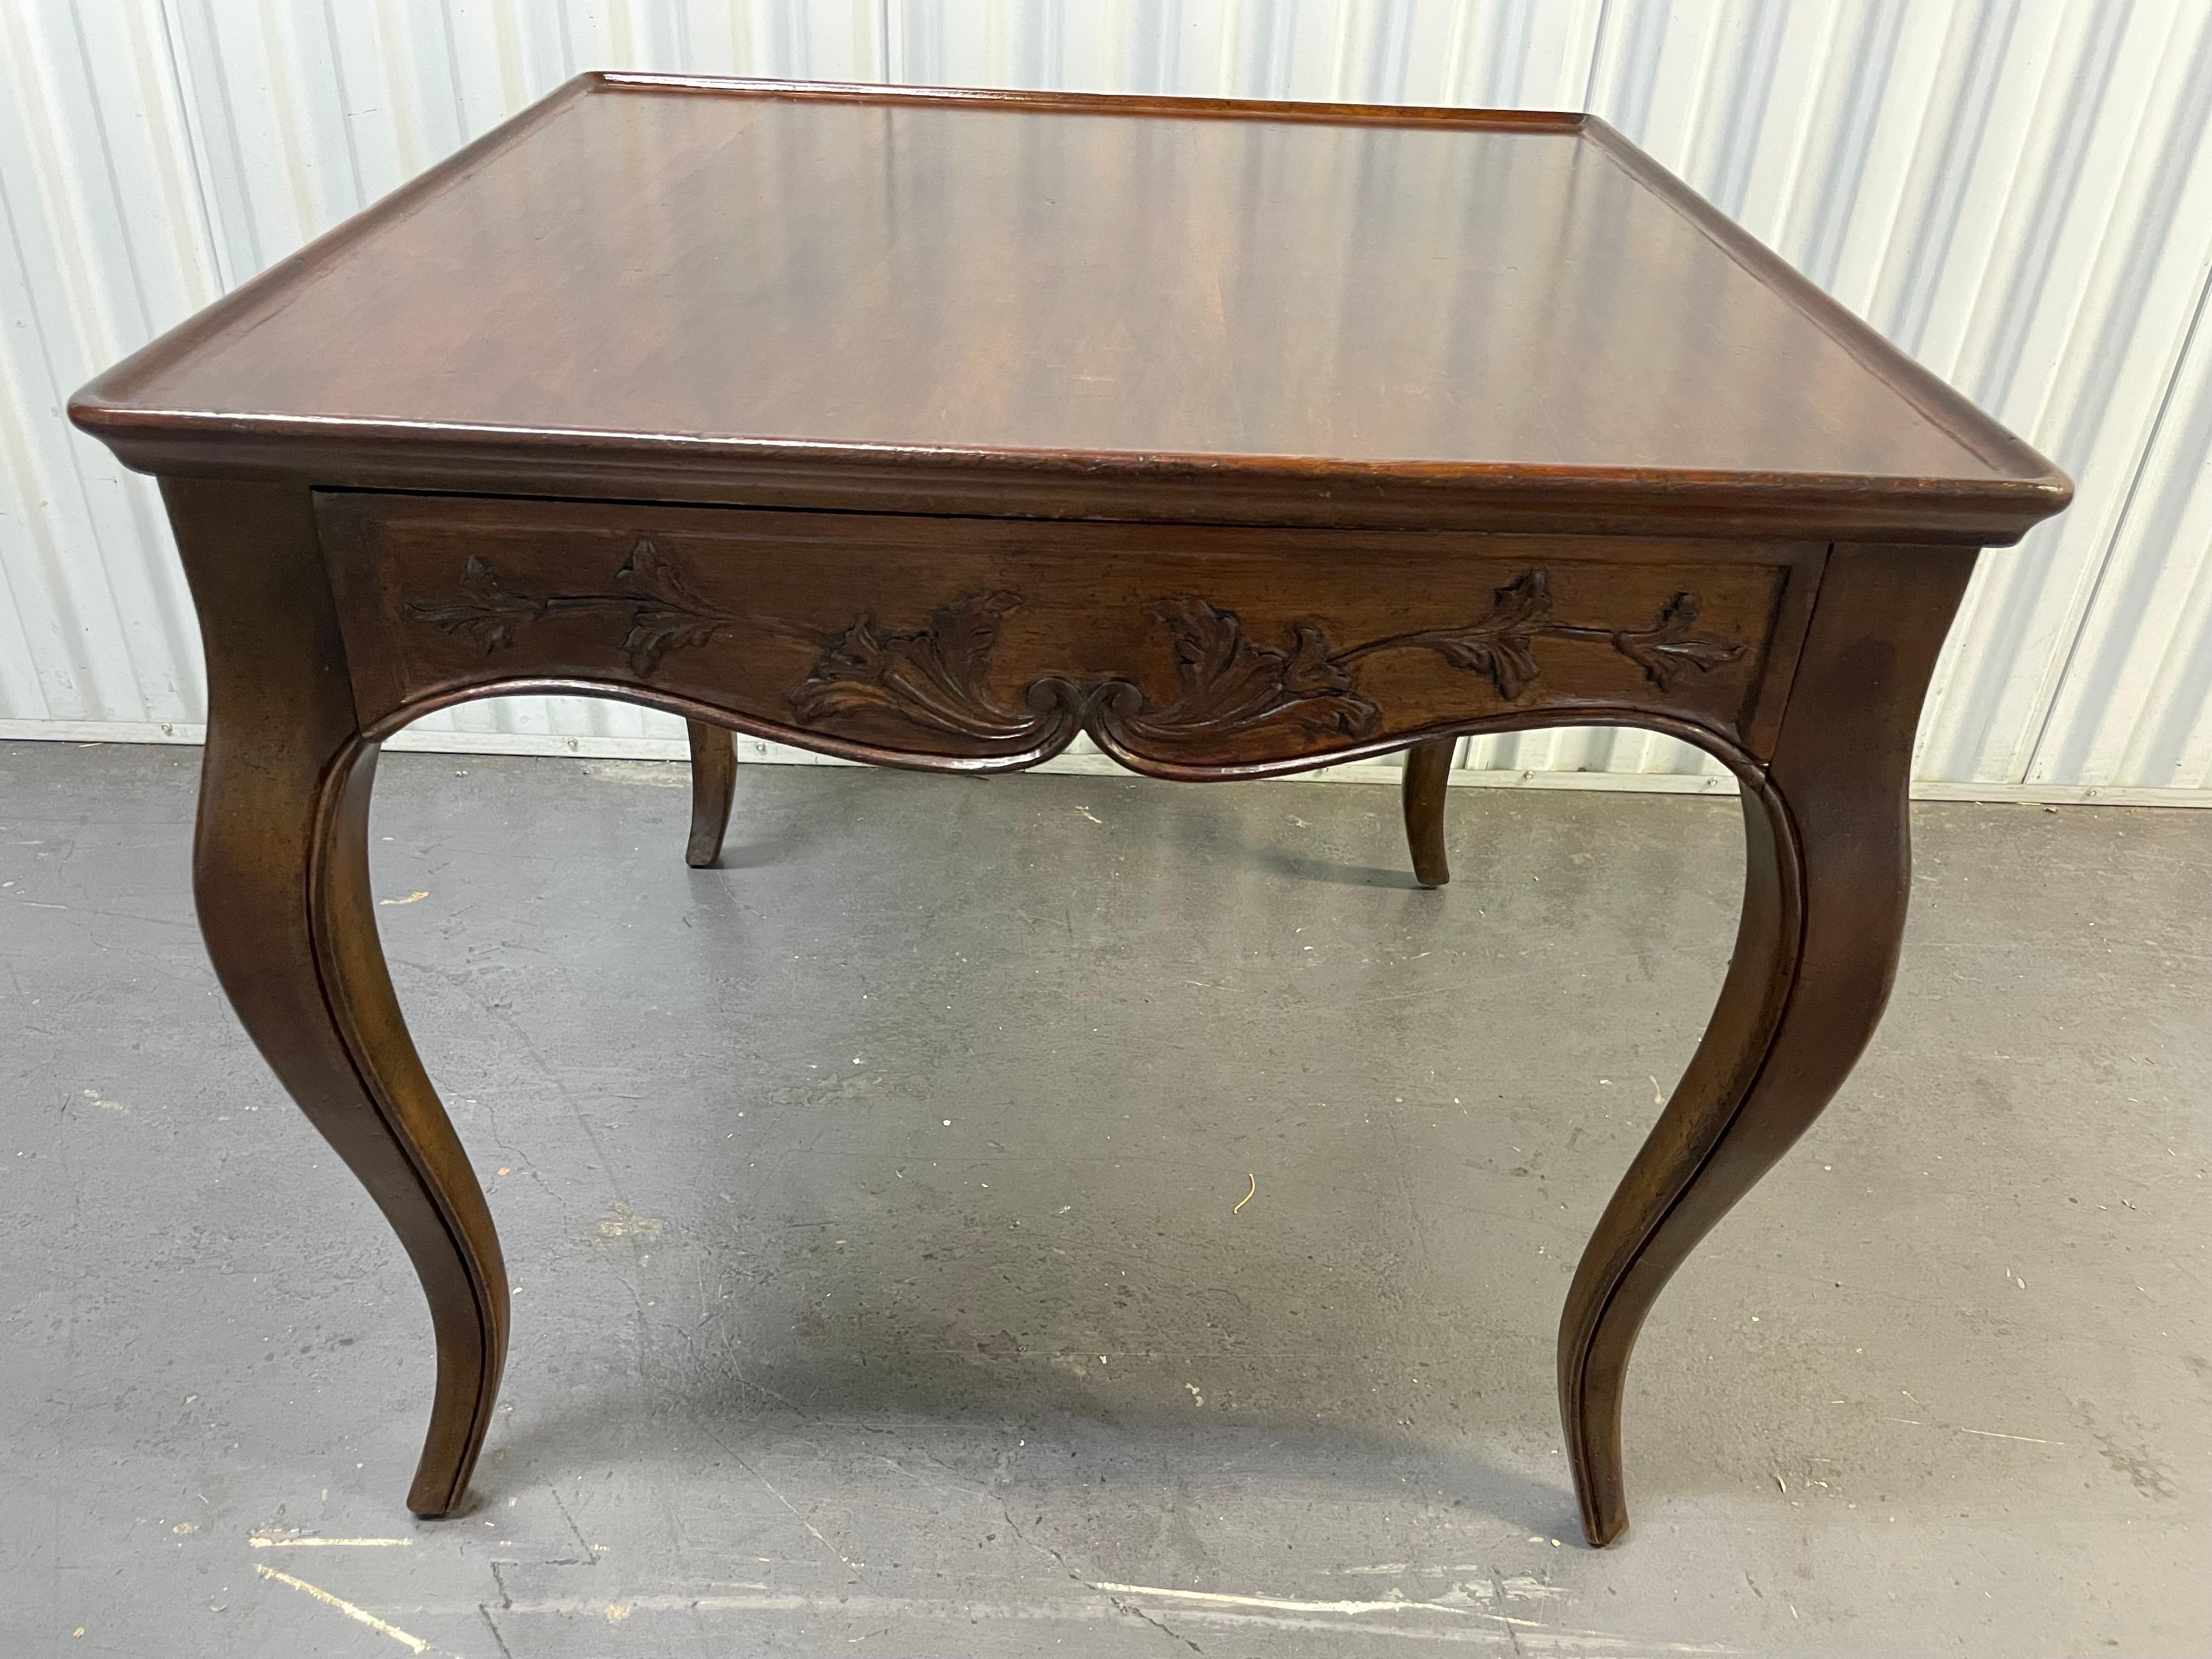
<point x="1075" y="306"/>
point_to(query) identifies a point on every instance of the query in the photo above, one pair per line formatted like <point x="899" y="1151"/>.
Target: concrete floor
<point x="870" y="1205"/>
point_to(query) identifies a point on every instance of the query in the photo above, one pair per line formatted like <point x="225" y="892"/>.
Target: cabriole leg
<point x="713" y="784"/>
<point x="281" y="874"/>
<point x="1428" y="769"/>
<point x="1827" y="870"/>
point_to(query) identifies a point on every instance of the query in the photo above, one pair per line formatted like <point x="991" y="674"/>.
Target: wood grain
<point x="713" y="785"/>
<point x="1422" y="795"/>
<point x="280" y="871"/>
<point x="1828" y="870"/>
<point x="989" y="645"/>
<point x="1046" y="304"/>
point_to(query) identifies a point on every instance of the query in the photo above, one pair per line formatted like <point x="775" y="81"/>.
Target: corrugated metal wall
<point x="2017" y="191"/>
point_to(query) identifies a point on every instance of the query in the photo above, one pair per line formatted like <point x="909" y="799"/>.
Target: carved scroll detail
<point x="1226" y="683"/>
<point x="665" y="612"/>
<point x="935" y="677"/>
<point x="938" y="676"/>
<point x="1501" y="645"/>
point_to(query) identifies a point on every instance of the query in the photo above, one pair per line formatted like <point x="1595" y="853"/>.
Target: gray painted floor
<point x="871" y="1205"/>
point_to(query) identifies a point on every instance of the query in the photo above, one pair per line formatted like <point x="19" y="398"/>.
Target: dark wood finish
<point x="1244" y="438"/>
<point x="1253" y="312"/>
<point x="988" y="644"/>
<point x="1827" y="870"/>
<point x="713" y="785"/>
<point x="1428" y="770"/>
<point x="280" y="869"/>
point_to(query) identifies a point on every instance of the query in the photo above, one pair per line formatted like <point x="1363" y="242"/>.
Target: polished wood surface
<point x="714" y="787"/>
<point x="1827" y="869"/>
<point x="1243" y="438"/>
<point x="992" y="643"/>
<point x="1378" y="312"/>
<point x="1428" y="770"/>
<point x="280" y="871"/>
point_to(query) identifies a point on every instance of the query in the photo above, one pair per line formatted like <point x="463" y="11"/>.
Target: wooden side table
<point x="932" y="428"/>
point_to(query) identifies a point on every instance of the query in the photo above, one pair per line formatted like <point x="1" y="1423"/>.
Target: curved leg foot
<point x="714" y="783"/>
<point x="280" y="873"/>
<point x="1428" y="766"/>
<point x="1827" y="869"/>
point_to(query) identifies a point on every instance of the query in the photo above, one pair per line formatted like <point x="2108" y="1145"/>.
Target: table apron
<point x="988" y="644"/>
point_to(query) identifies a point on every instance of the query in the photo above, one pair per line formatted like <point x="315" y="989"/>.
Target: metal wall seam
<point x="96" y="256"/>
<point x="2093" y="280"/>
<point x="2134" y="705"/>
<point x="2018" y="191"/>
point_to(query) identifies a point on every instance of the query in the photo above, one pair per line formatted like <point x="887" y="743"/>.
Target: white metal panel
<point x="102" y="244"/>
<point x="2013" y="190"/>
<point x="2018" y="191"/>
<point x="1502" y="54"/>
<point x="2135" y="707"/>
<point x="2095" y="269"/>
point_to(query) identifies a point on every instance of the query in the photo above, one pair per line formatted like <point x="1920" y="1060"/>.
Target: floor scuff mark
<point x="359" y="1615"/>
<point x="1199" y="1608"/>
<point x="264" y="1541"/>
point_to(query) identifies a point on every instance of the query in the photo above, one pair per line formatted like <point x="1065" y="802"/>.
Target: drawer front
<point x="977" y="642"/>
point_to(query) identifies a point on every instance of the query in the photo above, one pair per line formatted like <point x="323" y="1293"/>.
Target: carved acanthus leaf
<point x="1227" y="684"/>
<point x="936" y="677"/>
<point x="665" y="612"/>
<point x="1663" y="651"/>
<point x="487" y="613"/>
<point x="1501" y="645"/>
<point x="939" y="676"/>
